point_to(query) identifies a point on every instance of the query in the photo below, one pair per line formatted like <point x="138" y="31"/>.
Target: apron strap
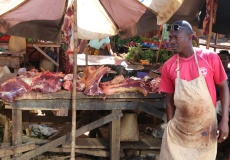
<point x="178" y="64"/>
<point x="178" y="67"/>
<point x="195" y="55"/>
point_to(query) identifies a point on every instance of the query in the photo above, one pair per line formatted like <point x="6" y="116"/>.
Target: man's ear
<point x="190" y="36"/>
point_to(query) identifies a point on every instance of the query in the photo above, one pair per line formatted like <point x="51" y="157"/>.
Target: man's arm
<point x="110" y="50"/>
<point x="224" y="99"/>
<point x="80" y="45"/>
<point x="170" y="108"/>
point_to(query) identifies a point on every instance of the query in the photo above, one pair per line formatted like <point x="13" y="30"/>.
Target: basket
<point x="17" y="44"/>
<point x="129" y="127"/>
<point x="46" y="64"/>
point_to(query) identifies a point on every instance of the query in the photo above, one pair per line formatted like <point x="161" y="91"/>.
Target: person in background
<point x="97" y="47"/>
<point x="225" y="59"/>
<point x="188" y="79"/>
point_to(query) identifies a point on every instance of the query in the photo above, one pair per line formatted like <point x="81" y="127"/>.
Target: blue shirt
<point x="97" y="44"/>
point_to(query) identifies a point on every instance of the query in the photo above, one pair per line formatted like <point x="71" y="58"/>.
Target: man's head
<point x="181" y="34"/>
<point x="224" y="57"/>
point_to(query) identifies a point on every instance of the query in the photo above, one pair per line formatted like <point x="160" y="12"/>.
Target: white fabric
<point x="93" y="21"/>
<point x="7" y="5"/>
<point x="36" y="10"/>
<point x="164" y="8"/>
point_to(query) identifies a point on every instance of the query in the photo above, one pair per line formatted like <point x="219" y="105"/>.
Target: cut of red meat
<point x="12" y="88"/>
<point x="48" y="82"/>
<point x="154" y="85"/>
<point x="92" y="77"/>
<point x="68" y="84"/>
<point x="125" y="85"/>
<point x="32" y="80"/>
<point x="88" y="71"/>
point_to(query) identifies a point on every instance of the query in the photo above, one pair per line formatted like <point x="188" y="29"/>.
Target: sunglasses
<point x="175" y="27"/>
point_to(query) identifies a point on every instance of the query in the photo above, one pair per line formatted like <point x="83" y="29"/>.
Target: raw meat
<point x="154" y="85"/>
<point x="68" y="84"/>
<point x="48" y="82"/>
<point x="92" y="77"/>
<point x="12" y="88"/>
<point x="117" y="85"/>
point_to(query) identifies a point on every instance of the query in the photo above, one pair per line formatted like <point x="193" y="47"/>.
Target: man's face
<point x="224" y="59"/>
<point x="179" y="40"/>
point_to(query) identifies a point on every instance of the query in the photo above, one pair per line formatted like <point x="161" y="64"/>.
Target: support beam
<point x="7" y="151"/>
<point x="66" y="138"/>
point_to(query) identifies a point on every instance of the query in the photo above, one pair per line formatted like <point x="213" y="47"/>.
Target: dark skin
<point x="225" y="60"/>
<point x="181" y="43"/>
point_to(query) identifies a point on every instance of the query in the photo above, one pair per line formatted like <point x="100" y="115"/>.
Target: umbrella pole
<point x="86" y="58"/>
<point x="160" y="45"/>
<point x="74" y="104"/>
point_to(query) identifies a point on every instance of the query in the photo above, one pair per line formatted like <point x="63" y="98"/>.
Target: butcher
<point x="188" y="79"/>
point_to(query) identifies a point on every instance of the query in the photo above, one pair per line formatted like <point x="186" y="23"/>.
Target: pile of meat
<point x="45" y="82"/>
<point x="89" y="83"/>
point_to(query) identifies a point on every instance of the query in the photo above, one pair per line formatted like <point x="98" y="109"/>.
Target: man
<point x="188" y="79"/>
<point x="97" y="47"/>
<point x="225" y="59"/>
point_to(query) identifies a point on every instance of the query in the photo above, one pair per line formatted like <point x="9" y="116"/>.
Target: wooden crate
<point x="10" y="61"/>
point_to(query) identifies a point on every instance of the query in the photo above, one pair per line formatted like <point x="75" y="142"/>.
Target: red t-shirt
<point x="209" y="63"/>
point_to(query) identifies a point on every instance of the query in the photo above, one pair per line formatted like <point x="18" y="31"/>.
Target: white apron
<point x="191" y="133"/>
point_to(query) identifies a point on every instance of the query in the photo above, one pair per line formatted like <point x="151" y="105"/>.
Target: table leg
<point x="16" y="126"/>
<point x="115" y="139"/>
<point x="57" y="54"/>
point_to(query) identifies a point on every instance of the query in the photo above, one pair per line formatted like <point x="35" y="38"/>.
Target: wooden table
<point x="38" y="46"/>
<point x="62" y="100"/>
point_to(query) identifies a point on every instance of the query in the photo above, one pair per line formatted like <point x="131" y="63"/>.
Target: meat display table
<point x="62" y="100"/>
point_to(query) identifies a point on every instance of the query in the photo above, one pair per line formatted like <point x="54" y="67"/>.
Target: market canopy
<point x="99" y="19"/>
<point x="42" y="19"/>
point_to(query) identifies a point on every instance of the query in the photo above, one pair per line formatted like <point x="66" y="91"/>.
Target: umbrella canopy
<point x="99" y="19"/>
<point x="39" y="19"/>
<point x="42" y="19"/>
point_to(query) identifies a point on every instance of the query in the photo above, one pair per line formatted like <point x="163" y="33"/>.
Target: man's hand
<point x="114" y="54"/>
<point x="223" y="130"/>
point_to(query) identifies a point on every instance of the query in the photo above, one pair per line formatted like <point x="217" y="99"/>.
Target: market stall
<point x="131" y="101"/>
<point x="62" y="100"/>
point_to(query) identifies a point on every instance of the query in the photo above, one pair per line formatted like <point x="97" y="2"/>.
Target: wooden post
<point x="159" y="49"/>
<point x="57" y="51"/>
<point x="115" y="139"/>
<point x="74" y="103"/>
<point x="17" y="127"/>
<point x="210" y="25"/>
<point x="216" y="39"/>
